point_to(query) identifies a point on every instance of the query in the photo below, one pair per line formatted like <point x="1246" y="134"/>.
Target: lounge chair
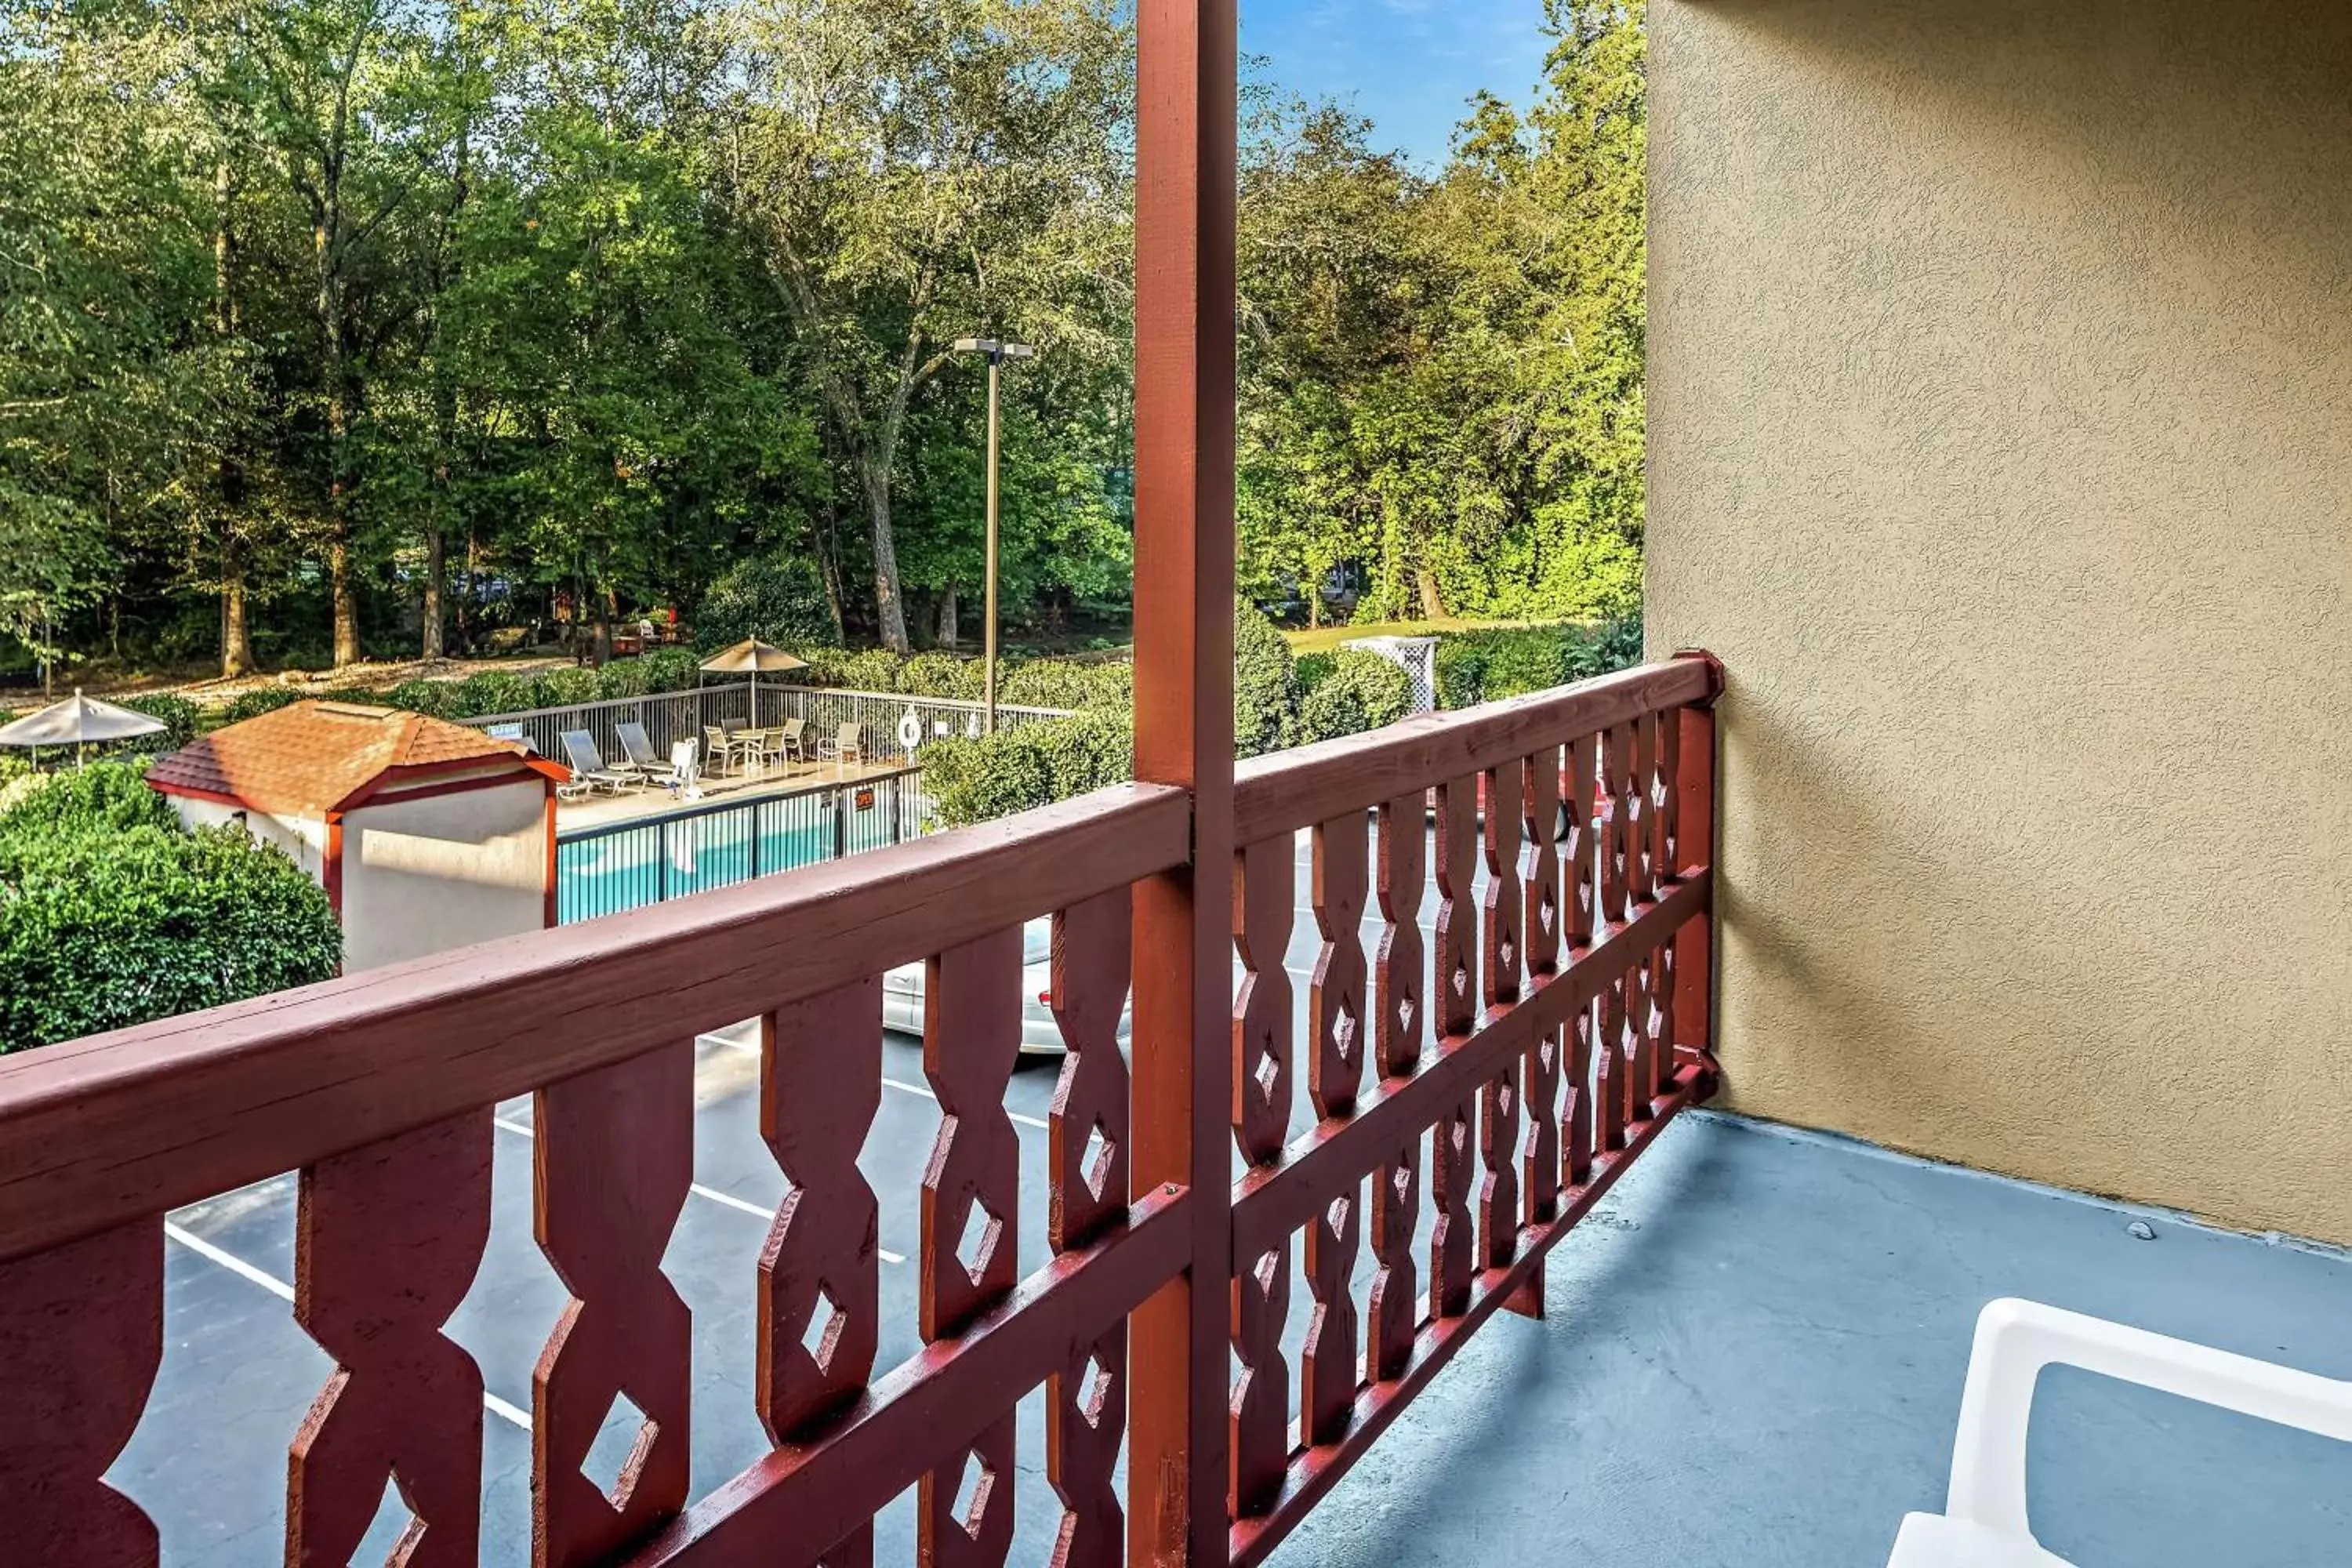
<point x="782" y="744"/>
<point x="638" y="747"/>
<point x="588" y="763"/>
<point x="848" y="745"/>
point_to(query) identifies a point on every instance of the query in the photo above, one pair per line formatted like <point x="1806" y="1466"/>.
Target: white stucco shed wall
<point x="435" y="871"/>
<point x="302" y="839"/>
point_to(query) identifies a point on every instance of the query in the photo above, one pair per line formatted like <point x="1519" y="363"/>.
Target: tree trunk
<point x="338" y="574"/>
<point x="1425" y="582"/>
<point x="826" y="535"/>
<point x="947" y="628"/>
<point x="236" y="641"/>
<point x="890" y="605"/>
<point x="436" y="567"/>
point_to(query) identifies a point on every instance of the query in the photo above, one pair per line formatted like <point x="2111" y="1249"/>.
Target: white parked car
<point x="902" y="995"/>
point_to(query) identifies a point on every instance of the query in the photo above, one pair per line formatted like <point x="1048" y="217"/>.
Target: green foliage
<point x="977" y="779"/>
<point x="1265" y="684"/>
<point x="260" y="701"/>
<point x="491" y="691"/>
<point x="1508" y="662"/>
<point x="622" y="678"/>
<point x="1069" y="683"/>
<point x="671" y="669"/>
<point x="441" y="699"/>
<point x="1358" y="691"/>
<point x="776" y="597"/>
<point x="181" y="719"/>
<point x="110" y="915"/>
<point x="567" y="688"/>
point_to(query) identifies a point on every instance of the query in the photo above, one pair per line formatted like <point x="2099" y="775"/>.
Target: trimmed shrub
<point x="777" y="598"/>
<point x="261" y="700"/>
<point x="110" y="915"/>
<point x="1265" y="684"/>
<point x="566" y="688"/>
<point x="943" y="675"/>
<point x="1069" y="683"/>
<point x="1506" y="661"/>
<point x="671" y="669"/>
<point x="494" y="692"/>
<point x="441" y="699"/>
<point x="976" y="780"/>
<point x="1360" y="691"/>
<point x="180" y="718"/>
<point x="622" y="678"/>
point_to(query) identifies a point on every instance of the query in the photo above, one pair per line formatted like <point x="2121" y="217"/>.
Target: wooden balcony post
<point x="1695" y="844"/>
<point x="1184" y="736"/>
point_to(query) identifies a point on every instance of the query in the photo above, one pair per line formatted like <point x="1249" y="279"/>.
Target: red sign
<point x="865" y="800"/>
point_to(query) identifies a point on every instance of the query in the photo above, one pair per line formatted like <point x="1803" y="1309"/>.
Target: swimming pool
<point x="606" y="870"/>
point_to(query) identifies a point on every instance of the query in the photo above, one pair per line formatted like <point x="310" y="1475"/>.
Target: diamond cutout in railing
<point x="1507" y="955"/>
<point x="1094" y="1164"/>
<point x="1268" y="1263"/>
<point x="394" y="1533"/>
<point x="973" y="1486"/>
<point x="1268" y="1074"/>
<point x="1343" y="1031"/>
<point x="1401" y="1177"/>
<point x="1405" y="1011"/>
<point x="1460" y="1135"/>
<point x="1093" y="1390"/>
<point x="982" y="1229"/>
<point x="1503" y="1100"/>
<point x="623" y="1437"/>
<point x="1545" y="1053"/>
<point x="1336" y="1216"/>
<point x="1461" y="980"/>
<point x="825" y="1322"/>
<point x="1545" y="914"/>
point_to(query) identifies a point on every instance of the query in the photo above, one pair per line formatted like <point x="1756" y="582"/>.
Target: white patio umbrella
<point x="77" y="721"/>
<point x="750" y="656"/>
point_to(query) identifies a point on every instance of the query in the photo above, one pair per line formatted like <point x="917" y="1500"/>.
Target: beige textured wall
<point x="2000" y="403"/>
<point x="442" y="871"/>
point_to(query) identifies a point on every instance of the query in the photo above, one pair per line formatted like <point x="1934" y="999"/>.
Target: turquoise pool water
<point x="672" y="857"/>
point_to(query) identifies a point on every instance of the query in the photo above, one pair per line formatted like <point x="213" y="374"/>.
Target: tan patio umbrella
<point x="76" y="722"/>
<point x="750" y="656"/>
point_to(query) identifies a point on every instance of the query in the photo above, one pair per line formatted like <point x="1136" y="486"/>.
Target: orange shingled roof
<point x="310" y="758"/>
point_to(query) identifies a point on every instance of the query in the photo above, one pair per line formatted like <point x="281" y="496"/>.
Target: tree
<point x="912" y="170"/>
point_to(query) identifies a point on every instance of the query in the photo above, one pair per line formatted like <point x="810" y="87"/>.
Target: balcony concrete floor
<point x="1754" y="1356"/>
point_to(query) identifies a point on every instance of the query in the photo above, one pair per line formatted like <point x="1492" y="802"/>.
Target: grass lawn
<point x="1322" y="640"/>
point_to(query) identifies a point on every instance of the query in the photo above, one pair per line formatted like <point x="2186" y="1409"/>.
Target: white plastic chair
<point x="1983" y="1522"/>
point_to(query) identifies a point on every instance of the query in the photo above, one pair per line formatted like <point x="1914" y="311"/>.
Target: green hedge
<point x="1510" y="661"/>
<point x="1034" y="765"/>
<point x="112" y="915"/>
<point x="1265" y="684"/>
<point x="1354" y="692"/>
<point x="776" y="598"/>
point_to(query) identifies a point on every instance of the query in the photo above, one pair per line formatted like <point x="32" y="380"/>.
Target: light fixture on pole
<point x="997" y="354"/>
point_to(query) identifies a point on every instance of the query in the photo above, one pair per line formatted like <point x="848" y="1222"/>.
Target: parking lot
<point x="208" y="1462"/>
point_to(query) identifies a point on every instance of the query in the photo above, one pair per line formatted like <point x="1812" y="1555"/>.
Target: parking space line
<point x="284" y="1292"/>
<point x="728" y="1200"/>
<point x="903" y="1086"/>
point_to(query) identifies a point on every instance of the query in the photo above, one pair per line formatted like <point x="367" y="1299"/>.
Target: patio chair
<point x="638" y="748"/>
<point x="848" y="745"/>
<point x="1983" y="1522"/>
<point x="722" y="748"/>
<point x="786" y="743"/>
<point x="588" y="763"/>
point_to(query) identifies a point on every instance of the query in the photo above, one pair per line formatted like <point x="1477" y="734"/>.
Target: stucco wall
<point x="442" y="871"/>
<point x="2000" y="403"/>
<point x="301" y="839"/>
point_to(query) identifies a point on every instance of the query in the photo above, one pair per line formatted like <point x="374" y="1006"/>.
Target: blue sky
<point x="1406" y="64"/>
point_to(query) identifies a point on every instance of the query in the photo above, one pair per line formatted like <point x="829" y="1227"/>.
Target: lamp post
<point x="997" y="354"/>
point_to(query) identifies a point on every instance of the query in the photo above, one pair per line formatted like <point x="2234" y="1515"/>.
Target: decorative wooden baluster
<point x="1455" y="981"/>
<point x="1662" y="1020"/>
<point x="1397" y="998"/>
<point x="1641" y="1067"/>
<point x="1327" y="1364"/>
<point x="1395" y="1295"/>
<point x="1576" y="1105"/>
<point x="966" y="1509"/>
<point x="1263" y="893"/>
<point x="1665" y="814"/>
<point x="1260" y="1437"/>
<point x="1580" y="848"/>
<point x="972" y="1209"/>
<point x="1541" y="820"/>
<point x="1643" y="859"/>
<point x="386" y="1241"/>
<point x="1085" y="1417"/>
<point x="1610" y="1068"/>
<point x="1086" y="1403"/>
<point x="613" y="1159"/>
<point x="1336" y="997"/>
<point x="1452" y="1175"/>
<point x="1617" y="847"/>
<point x="1260" y="1428"/>
<point x="820" y="1273"/>
<point x="81" y="1333"/>
<point x="1501" y="911"/>
<point x="1694" y="846"/>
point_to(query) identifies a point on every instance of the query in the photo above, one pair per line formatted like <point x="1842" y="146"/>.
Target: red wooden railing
<point x="1551" y="1028"/>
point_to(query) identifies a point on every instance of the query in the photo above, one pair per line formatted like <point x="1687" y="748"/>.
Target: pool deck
<point x="632" y="805"/>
